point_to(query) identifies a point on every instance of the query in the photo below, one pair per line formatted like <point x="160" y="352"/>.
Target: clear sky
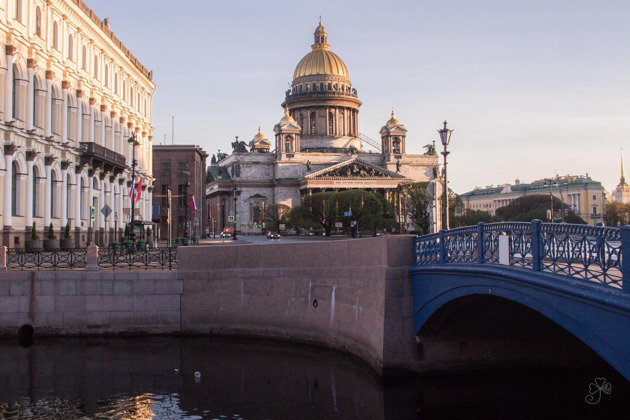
<point x="531" y="88"/>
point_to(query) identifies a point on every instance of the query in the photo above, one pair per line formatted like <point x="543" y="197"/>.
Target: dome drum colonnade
<point x="321" y="99"/>
<point x="65" y="141"/>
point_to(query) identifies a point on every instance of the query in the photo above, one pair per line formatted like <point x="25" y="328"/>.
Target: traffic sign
<point x="347" y="213"/>
<point x="92" y="213"/>
<point x="230" y="219"/>
<point x="106" y="210"/>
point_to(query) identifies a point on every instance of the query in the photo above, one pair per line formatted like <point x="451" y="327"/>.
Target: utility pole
<point x="169" y="205"/>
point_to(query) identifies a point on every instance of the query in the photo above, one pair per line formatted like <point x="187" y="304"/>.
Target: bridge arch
<point x="593" y="315"/>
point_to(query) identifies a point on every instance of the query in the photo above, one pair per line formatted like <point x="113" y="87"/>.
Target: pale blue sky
<point x="531" y="88"/>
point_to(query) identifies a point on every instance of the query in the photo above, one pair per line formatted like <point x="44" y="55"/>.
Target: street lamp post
<point x="234" y="233"/>
<point x="549" y="183"/>
<point x="134" y="143"/>
<point x="445" y="137"/>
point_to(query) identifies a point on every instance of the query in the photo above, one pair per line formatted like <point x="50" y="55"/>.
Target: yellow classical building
<point x="71" y="95"/>
<point x="581" y="194"/>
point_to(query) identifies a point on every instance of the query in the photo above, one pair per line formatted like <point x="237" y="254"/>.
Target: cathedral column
<point x="8" y="191"/>
<point x="79" y="137"/>
<point x="112" y="132"/>
<point x="64" y="194"/>
<point x="77" y="200"/>
<point x="8" y="100"/>
<point x="103" y="131"/>
<point x="48" y="106"/>
<point x="91" y="127"/>
<point x="48" y="191"/>
<point x="28" y="221"/>
<point x="65" y="85"/>
<point x="30" y="95"/>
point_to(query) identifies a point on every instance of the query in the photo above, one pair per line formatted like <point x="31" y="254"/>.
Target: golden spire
<point x="622" y="182"/>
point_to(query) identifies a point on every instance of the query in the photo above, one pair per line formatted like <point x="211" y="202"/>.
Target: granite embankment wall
<point x="352" y="295"/>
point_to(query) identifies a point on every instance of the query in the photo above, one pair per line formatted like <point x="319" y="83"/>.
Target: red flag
<point x="139" y="190"/>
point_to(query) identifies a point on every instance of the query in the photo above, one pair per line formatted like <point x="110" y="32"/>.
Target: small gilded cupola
<point x="321" y="38"/>
<point x="393" y="135"/>
<point x="259" y="143"/>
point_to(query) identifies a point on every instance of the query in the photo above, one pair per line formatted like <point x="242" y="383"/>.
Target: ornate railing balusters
<point x="587" y="252"/>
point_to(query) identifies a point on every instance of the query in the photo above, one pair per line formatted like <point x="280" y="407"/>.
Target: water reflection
<point x="154" y="378"/>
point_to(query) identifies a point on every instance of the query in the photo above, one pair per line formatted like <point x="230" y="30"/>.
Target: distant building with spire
<point x="622" y="192"/>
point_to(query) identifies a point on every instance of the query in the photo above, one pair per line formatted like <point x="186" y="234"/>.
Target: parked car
<point x="227" y="233"/>
<point x="273" y="235"/>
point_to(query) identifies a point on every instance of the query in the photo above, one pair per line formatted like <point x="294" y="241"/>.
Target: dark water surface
<point x="154" y="378"/>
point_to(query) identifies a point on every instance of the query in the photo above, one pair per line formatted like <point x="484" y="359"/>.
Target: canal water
<point x="224" y="378"/>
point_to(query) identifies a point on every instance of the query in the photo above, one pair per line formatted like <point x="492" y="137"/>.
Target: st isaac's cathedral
<point x="317" y="147"/>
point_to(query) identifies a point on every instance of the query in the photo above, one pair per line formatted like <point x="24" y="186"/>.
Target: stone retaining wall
<point x="353" y="295"/>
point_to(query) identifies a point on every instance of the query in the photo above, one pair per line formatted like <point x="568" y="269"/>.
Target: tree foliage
<point x="617" y="213"/>
<point x="416" y="200"/>
<point x="321" y="210"/>
<point x="472" y="217"/>
<point x="276" y="214"/>
<point x="530" y="207"/>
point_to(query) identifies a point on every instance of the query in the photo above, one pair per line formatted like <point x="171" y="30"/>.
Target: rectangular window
<point x="182" y="192"/>
<point x="182" y="169"/>
<point x="594" y="197"/>
<point x="165" y="202"/>
<point x="165" y="168"/>
<point x="594" y="210"/>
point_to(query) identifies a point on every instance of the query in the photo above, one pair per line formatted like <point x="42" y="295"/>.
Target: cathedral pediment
<point x="354" y="168"/>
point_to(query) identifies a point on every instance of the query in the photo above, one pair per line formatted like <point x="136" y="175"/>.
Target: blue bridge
<point x="574" y="275"/>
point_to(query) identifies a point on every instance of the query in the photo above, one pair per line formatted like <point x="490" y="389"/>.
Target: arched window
<point x="14" y="190"/>
<point x="116" y="83"/>
<point x="39" y="99"/>
<point x="83" y="201"/>
<point x="95" y="67"/>
<point x="53" y="194"/>
<point x="36" y="192"/>
<point x="71" y="118"/>
<point x="312" y="123"/>
<point x="331" y="124"/>
<point x="18" y="10"/>
<point x="302" y="124"/>
<point x="145" y="107"/>
<point x="56" y="105"/>
<point x="55" y="35"/>
<point x="106" y="75"/>
<point x="38" y="22"/>
<point x="131" y="97"/>
<point x="124" y="90"/>
<point x="70" y="47"/>
<point x="138" y="102"/>
<point x="84" y="58"/>
<point x="288" y="144"/>
<point x="68" y="195"/>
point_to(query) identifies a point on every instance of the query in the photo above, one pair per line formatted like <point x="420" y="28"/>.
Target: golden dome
<point x="259" y="137"/>
<point x="287" y="117"/>
<point x="393" y="120"/>
<point x="321" y="61"/>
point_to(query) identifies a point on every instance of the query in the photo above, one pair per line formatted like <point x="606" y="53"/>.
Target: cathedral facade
<point x="316" y="147"/>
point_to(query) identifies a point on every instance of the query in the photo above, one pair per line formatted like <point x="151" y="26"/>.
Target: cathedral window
<point x="300" y="89"/>
<point x="314" y="86"/>
<point x="331" y="124"/>
<point x="302" y="124"/>
<point x="55" y="36"/>
<point x="288" y="144"/>
<point x="18" y="10"/>
<point x="329" y="86"/>
<point x="84" y="58"/>
<point x="95" y="72"/>
<point x="321" y="86"/>
<point x="106" y="76"/>
<point x="38" y="22"/>
<point x="312" y="123"/>
<point x="70" y="47"/>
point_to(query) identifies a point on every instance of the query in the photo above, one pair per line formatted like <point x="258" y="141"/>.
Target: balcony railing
<point x="92" y="151"/>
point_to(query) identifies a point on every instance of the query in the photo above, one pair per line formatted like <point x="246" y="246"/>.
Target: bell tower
<point x="393" y="137"/>
<point x="287" y="136"/>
